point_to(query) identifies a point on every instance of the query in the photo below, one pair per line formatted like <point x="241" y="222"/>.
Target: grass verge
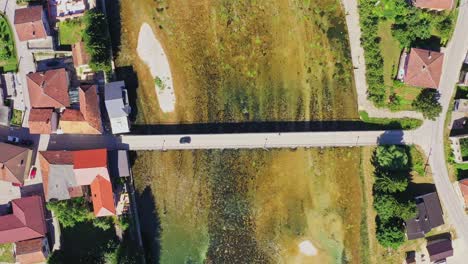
<point x="8" y="61"/>
<point x="391" y="123"/>
<point x="70" y="31"/>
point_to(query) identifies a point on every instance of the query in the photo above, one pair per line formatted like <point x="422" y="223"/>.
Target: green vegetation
<point x="16" y="117"/>
<point x="8" y="61"/>
<point x="392" y="168"/>
<point x="73" y="211"/>
<point x="408" y="25"/>
<point x="6" y="253"/>
<point x="97" y="40"/>
<point x="464" y="148"/>
<point x="418" y="161"/>
<point x="391" y="123"/>
<point x="70" y="31"/>
<point x="428" y="104"/>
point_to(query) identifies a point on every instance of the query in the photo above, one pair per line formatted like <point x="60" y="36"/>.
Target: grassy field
<point x="8" y="61"/>
<point x="70" y="31"/>
<point x="391" y="51"/>
<point x="6" y="253"/>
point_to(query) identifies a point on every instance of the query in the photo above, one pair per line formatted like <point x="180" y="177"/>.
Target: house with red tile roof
<point x="26" y="221"/>
<point x="65" y="172"/>
<point x="423" y="68"/>
<point x="32" y="251"/>
<point x="31" y="23"/>
<point x="49" y="89"/>
<point x="15" y="162"/>
<point x="81" y="61"/>
<point x="86" y="120"/>
<point x="437" y="5"/>
<point x="463" y="184"/>
<point x="42" y="121"/>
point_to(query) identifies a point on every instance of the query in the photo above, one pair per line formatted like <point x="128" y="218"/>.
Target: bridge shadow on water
<point x="261" y="127"/>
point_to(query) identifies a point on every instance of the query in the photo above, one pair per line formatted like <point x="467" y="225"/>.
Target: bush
<point x="97" y="40"/>
<point x="70" y="212"/>
<point x="391" y="183"/>
<point x="391" y="234"/>
<point x="428" y="104"/>
<point x="391" y="158"/>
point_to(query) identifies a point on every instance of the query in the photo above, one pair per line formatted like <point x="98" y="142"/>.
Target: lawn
<point x="390" y="123"/>
<point x="8" y="61"/>
<point x="464" y="148"/>
<point x="16" y="117"/>
<point x="70" y="31"/>
<point x="390" y="50"/>
<point x="6" y="253"/>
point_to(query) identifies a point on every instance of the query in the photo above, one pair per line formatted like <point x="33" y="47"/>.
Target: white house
<point x="116" y="100"/>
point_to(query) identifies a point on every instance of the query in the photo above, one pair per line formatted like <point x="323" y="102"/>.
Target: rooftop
<point x="424" y="68"/>
<point x="14" y="163"/>
<point x="440" y="249"/>
<point x="30" y="251"/>
<point x="49" y="89"/>
<point x="28" y="14"/>
<point x="429" y="216"/>
<point x="40" y="120"/>
<point x="434" y="4"/>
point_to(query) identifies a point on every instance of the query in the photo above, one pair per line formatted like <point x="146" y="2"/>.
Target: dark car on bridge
<point x="185" y="140"/>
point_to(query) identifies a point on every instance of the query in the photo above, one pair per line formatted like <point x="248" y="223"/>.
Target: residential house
<point x="436" y="5"/>
<point x="439" y="249"/>
<point x="118" y="109"/>
<point x="42" y="121"/>
<point x="86" y="120"/>
<point x="49" y="89"/>
<point x="463" y="184"/>
<point x="31" y="23"/>
<point x="423" y="68"/>
<point x="459" y="114"/>
<point x="15" y="163"/>
<point x="26" y="221"/>
<point x="429" y="216"/>
<point x="81" y="61"/>
<point x="66" y="9"/>
<point x="66" y="172"/>
<point x="457" y="147"/>
<point x="32" y="251"/>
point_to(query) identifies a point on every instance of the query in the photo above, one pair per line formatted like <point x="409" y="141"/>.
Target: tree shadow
<point x="439" y="236"/>
<point x="391" y="137"/>
<point x="115" y="25"/>
<point x="433" y="43"/>
<point x="150" y="225"/>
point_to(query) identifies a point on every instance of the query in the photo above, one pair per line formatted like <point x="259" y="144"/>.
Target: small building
<point x="429" y="216"/>
<point x="49" y="89"/>
<point x="423" y="68"/>
<point x="457" y="147"/>
<point x="436" y="5"/>
<point x="410" y="257"/>
<point x="81" y="61"/>
<point x="42" y="121"/>
<point x="32" y="251"/>
<point x="31" y="23"/>
<point x="26" y="221"/>
<point x="15" y="163"/>
<point x="65" y="172"/>
<point x="118" y="109"/>
<point x="459" y="114"/>
<point x="463" y="184"/>
<point x="5" y="114"/>
<point x="61" y="10"/>
<point x="439" y="249"/>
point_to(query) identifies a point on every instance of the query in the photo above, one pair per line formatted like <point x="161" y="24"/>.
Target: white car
<point x="12" y="139"/>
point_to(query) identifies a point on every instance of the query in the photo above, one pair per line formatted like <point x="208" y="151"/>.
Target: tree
<point x="97" y="40"/>
<point x="69" y="212"/>
<point x="391" y="182"/>
<point x="428" y="104"/>
<point x="390" y="234"/>
<point x="391" y="157"/>
<point x="389" y="207"/>
<point x="103" y="223"/>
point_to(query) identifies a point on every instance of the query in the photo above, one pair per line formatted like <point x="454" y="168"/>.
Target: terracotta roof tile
<point x="89" y="106"/>
<point x="58" y="156"/>
<point x="29" y="24"/>
<point x="30" y="251"/>
<point x="15" y="162"/>
<point x="93" y="158"/>
<point x="80" y="56"/>
<point x="26" y="222"/>
<point x="464" y="189"/>
<point x="40" y="120"/>
<point x="102" y="196"/>
<point x="49" y="89"/>
<point x="424" y="68"/>
<point x="434" y="4"/>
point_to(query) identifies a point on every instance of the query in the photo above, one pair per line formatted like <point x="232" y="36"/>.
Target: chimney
<point x="430" y="55"/>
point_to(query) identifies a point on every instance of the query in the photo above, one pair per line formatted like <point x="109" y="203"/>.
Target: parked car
<point x="16" y="184"/>
<point x="33" y="172"/>
<point x="13" y="139"/>
<point x="185" y="140"/>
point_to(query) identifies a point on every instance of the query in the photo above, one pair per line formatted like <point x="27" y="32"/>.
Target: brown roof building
<point x="42" y="121"/>
<point x="30" y="23"/>
<point x="434" y="4"/>
<point x="464" y="190"/>
<point x="26" y="222"/>
<point x="80" y="56"/>
<point x="102" y="196"/>
<point x="439" y="249"/>
<point x="32" y="251"/>
<point x="15" y="162"/>
<point x="429" y="215"/>
<point x="424" y="68"/>
<point x="87" y="120"/>
<point x="49" y="89"/>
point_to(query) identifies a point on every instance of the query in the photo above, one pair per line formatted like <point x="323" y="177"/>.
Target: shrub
<point x="69" y="212"/>
<point x="97" y="40"/>
<point x="391" y="157"/>
<point x="428" y="104"/>
<point x="391" y="234"/>
<point x="391" y="183"/>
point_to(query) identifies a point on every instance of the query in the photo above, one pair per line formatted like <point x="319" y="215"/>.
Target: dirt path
<point x="151" y="52"/>
<point x="357" y="54"/>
